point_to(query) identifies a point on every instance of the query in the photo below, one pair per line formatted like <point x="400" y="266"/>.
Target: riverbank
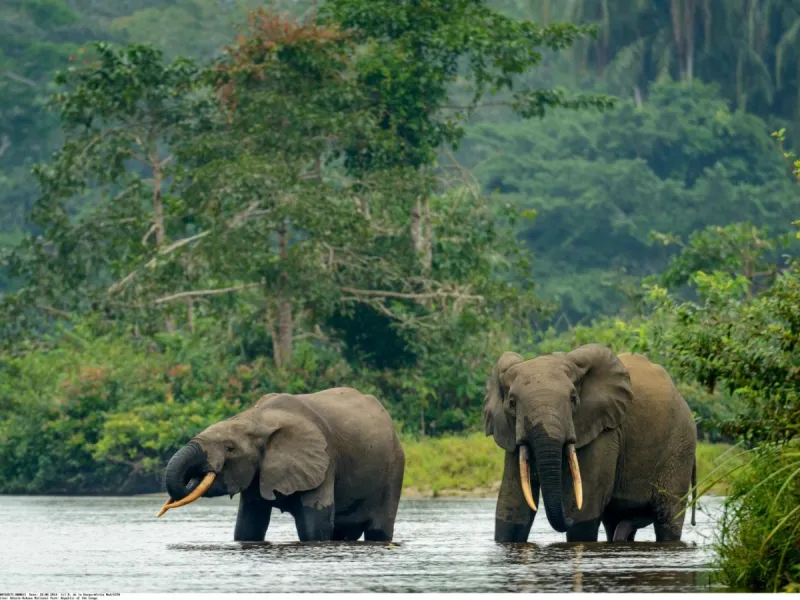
<point x="471" y="466"/>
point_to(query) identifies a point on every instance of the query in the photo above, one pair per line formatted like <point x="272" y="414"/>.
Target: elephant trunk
<point x="185" y="466"/>
<point x="549" y="454"/>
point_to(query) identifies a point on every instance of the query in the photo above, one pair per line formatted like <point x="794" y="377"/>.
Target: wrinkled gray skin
<point x="331" y="459"/>
<point x="634" y="434"/>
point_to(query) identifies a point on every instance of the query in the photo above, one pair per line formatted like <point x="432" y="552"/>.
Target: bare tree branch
<point x="55" y="311"/>
<point x="423" y="296"/>
<point x="20" y="79"/>
<point x="212" y="292"/>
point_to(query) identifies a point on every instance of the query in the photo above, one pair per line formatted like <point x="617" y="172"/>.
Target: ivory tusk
<point x="164" y="508"/>
<point x="525" y="476"/>
<point x="198" y="491"/>
<point x="576" y="475"/>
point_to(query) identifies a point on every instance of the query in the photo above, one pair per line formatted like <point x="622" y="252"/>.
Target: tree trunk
<point x="427" y="242"/>
<point x="190" y="313"/>
<point x="282" y="327"/>
<point x="158" y="215"/>
<point x="422" y="233"/>
<point x="416" y="227"/>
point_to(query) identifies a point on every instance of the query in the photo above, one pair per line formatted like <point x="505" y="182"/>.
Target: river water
<point x="93" y="545"/>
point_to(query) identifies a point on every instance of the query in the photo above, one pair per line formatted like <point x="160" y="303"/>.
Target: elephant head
<point x="285" y="451"/>
<point x="551" y="405"/>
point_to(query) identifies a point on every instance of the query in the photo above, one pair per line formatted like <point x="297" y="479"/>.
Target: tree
<point x="413" y="53"/>
<point x="600" y="184"/>
<point x="121" y="111"/>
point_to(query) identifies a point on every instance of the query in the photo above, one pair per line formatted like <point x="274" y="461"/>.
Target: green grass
<point x="715" y="462"/>
<point x="452" y="464"/>
<point x="473" y="465"/>
<point x="759" y="543"/>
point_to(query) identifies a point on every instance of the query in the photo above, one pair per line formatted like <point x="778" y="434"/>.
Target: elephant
<point x="627" y="434"/>
<point x="332" y="459"/>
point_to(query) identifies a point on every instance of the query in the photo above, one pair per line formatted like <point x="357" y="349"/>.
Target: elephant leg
<point x="669" y="516"/>
<point x="586" y="531"/>
<point x="668" y="526"/>
<point x="376" y="534"/>
<point x="347" y="533"/>
<point x="624" y="532"/>
<point x="513" y="517"/>
<point x="253" y="518"/>
<point x="380" y="528"/>
<point x="313" y="524"/>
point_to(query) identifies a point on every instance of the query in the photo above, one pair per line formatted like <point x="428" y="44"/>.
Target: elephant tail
<point x="694" y="489"/>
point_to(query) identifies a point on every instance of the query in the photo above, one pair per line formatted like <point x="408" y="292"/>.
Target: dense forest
<point x="202" y="201"/>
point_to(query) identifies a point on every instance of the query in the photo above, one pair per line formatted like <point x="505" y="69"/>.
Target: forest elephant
<point x="606" y="438"/>
<point x="331" y="459"/>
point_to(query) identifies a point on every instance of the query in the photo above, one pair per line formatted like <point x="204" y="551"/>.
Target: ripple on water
<point x="444" y="545"/>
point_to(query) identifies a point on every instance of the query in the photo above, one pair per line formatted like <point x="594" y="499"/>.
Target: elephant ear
<point x="295" y="459"/>
<point x="604" y="390"/>
<point x="495" y="418"/>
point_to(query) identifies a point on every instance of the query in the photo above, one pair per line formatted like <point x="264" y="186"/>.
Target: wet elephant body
<point x="605" y="438"/>
<point x="331" y="459"/>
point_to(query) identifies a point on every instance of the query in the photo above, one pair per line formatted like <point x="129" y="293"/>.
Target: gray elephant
<point x="627" y="435"/>
<point x="331" y="459"/>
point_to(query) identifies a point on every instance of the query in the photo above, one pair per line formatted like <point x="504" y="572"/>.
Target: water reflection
<point x="114" y="545"/>
<point x="603" y="567"/>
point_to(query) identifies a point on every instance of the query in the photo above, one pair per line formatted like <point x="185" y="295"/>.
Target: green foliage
<point x="414" y="52"/>
<point x="761" y="525"/>
<point x="602" y="183"/>
<point x="748" y="345"/>
<point x="735" y="248"/>
<point x="102" y="414"/>
<point x="120" y="109"/>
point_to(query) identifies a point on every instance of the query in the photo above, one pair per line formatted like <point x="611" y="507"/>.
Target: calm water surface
<point x="117" y="545"/>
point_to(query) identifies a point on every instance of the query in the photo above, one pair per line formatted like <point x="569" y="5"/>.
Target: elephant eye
<point x="229" y="448"/>
<point x="512" y="401"/>
<point x="573" y="397"/>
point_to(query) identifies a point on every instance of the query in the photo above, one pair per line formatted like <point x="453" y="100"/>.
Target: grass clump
<point x="465" y="463"/>
<point x="759" y="537"/>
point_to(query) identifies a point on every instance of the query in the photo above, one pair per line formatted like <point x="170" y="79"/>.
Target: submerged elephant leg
<point x="347" y="533"/>
<point x="313" y="524"/>
<point x="624" y="532"/>
<point x="373" y="534"/>
<point x="669" y="516"/>
<point x="585" y="531"/>
<point x="513" y="516"/>
<point x="253" y="518"/>
<point x="380" y="528"/>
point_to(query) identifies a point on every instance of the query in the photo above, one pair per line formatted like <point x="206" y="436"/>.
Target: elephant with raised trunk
<point x="606" y="438"/>
<point x="331" y="459"/>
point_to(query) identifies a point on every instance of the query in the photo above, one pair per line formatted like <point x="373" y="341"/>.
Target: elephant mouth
<point x="525" y="475"/>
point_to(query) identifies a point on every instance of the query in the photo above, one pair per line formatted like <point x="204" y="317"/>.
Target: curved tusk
<point x="525" y="476"/>
<point x="164" y="508"/>
<point x="198" y="491"/>
<point x="576" y="474"/>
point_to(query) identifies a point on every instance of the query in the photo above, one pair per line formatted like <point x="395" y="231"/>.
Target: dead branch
<point x="55" y="311"/>
<point x="199" y="293"/>
<point x="409" y="296"/>
<point x="20" y="79"/>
